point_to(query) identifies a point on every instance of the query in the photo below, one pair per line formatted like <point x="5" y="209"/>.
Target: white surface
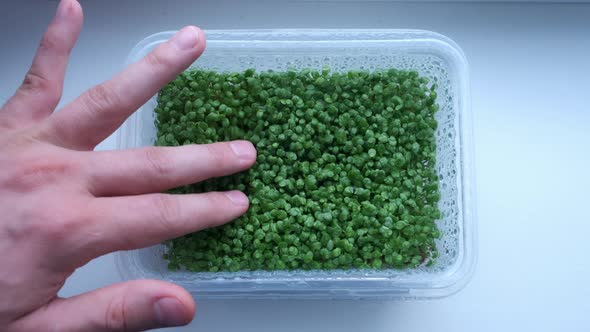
<point x="529" y="74"/>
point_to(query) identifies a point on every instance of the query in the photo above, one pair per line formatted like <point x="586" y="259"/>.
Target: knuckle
<point x="219" y="157"/>
<point x="167" y="210"/>
<point x="35" y="81"/>
<point x="160" y="165"/>
<point x="158" y="58"/>
<point x="218" y="200"/>
<point x="37" y="84"/>
<point x="43" y="222"/>
<point x="36" y="172"/>
<point x="52" y="42"/>
<point x="21" y="230"/>
<point x="55" y="224"/>
<point x="49" y="42"/>
<point x="102" y="98"/>
<point x="115" y="318"/>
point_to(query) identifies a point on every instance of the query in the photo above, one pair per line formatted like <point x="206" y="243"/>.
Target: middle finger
<point x="155" y="169"/>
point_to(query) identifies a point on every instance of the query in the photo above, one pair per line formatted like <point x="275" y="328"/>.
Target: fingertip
<point x="245" y="151"/>
<point x="171" y="304"/>
<point x="195" y="29"/>
<point x="202" y="38"/>
<point x="237" y="198"/>
<point x="186" y="299"/>
<point x="68" y="9"/>
<point x="188" y="38"/>
<point x="75" y="6"/>
<point x="169" y="311"/>
<point x="77" y="9"/>
<point x="176" y="308"/>
<point x="253" y="148"/>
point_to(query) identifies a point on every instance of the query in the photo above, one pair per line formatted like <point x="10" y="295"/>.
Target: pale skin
<point x="63" y="204"/>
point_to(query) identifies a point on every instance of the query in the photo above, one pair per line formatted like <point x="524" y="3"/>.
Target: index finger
<point x="99" y="111"/>
<point x="153" y="169"/>
<point x="42" y="87"/>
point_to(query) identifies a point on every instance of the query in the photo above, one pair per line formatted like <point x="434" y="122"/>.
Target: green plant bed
<point x="345" y="176"/>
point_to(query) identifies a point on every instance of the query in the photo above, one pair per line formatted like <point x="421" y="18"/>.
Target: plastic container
<point x="433" y="56"/>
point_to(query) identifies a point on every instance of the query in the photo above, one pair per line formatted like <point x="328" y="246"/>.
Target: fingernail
<point x="186" y="38"/>
<point x="243" y="149"/>
<point x="170" y="312"/>
<point x="237" y="197"/>
<point x="62" y="10"/>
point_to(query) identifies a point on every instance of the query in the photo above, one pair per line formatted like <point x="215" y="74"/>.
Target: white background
<point x="530" y="65"/>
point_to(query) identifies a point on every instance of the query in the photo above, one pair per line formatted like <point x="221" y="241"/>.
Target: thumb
<point x="132" y="306"/>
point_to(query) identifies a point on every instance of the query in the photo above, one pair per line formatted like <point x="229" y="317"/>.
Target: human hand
<point x="63" y="204"/>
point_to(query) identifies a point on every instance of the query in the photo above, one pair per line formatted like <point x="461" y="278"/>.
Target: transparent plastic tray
<point x="433" y="56"/>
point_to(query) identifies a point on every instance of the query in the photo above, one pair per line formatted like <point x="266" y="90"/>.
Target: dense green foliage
<point x="345" y="174"/>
